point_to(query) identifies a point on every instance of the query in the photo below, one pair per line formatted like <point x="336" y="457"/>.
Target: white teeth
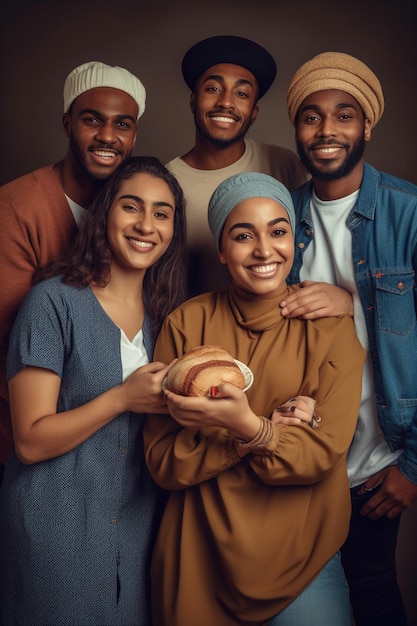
<point x="264" y="269"/>
<point x="329" y="150"/>
<point x="104" y="153"/>
<point x="223" y="119"/>
<point x="140" y="244"/>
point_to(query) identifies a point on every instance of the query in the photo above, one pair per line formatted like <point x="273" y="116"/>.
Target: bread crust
<point x="201" y="368"/>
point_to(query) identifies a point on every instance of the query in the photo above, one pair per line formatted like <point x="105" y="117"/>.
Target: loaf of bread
<point x="202" y="368"/>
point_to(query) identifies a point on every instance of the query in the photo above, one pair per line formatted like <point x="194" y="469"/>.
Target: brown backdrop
<point x="42" y="40"/>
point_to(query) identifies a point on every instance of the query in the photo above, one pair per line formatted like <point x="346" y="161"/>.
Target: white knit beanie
<point x="96" y="74"/>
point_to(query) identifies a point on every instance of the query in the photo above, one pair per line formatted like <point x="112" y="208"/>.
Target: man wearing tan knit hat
<point x="337" y="70"/>
<point x="40" y="211"/>
<point x="356" y="235"/>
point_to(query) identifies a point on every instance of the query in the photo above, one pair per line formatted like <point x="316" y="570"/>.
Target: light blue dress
<point x="76" y="531"/>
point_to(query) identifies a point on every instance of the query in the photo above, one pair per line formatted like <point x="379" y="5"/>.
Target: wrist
<point x="116" y="398"/>
<point x="263" y="437"/>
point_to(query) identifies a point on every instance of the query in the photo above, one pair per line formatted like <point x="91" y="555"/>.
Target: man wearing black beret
<point x="227" y="75"/>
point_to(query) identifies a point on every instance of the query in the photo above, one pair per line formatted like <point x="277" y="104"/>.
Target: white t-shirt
<point x="329" y="259"/>
<point x="77" y="210"/>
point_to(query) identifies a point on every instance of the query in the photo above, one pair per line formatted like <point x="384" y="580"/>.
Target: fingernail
<point x="214" y="391"/>
<point x="292" y="409"/>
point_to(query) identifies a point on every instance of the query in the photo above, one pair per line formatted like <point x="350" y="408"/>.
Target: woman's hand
<point x="143" y="388"/>
<point x="226" y="407"/>
<point x="296" y="411"/>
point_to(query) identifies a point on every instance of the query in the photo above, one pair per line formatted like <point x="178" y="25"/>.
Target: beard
<point x="321" y="173"/>
<point x="80" y="159"/>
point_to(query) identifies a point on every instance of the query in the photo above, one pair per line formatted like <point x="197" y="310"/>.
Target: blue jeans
<point x="325" y="602"/>
<point x="368" y="558"/>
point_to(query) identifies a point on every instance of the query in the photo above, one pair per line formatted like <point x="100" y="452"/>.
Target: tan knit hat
<point x="337" y="70"/>
<point x="96" y="74"/>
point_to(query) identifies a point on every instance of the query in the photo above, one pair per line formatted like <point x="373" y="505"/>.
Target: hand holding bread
<point x="202" y="368"/>
<point x="189" y="386"/>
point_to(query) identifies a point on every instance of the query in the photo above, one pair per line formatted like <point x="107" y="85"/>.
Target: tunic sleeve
<point x="180" y="457"/>
<point x="334" y="379"/>
<point x="329" y="370"/>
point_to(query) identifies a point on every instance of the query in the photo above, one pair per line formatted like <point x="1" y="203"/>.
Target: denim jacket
<point x="383" y="224"/>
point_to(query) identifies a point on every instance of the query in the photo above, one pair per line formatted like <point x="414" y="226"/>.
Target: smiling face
<point x="101" y="126"/>
<point x="331" y="132"/>
<point x="257" y="245"/>
<point x="224" y="103"/>
<point x="140" y="225"/>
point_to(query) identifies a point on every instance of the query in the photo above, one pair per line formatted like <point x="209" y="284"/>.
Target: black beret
<point x="229" y="49"/>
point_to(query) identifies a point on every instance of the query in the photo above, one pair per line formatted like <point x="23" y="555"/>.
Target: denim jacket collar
<point x="365" y="204"/>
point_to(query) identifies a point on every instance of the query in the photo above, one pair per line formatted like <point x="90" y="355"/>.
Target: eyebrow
<point x="249" y="225"/>
<point x="123" y="116"/>
<point x="220" y="79"/>
<point x="140" y="200"/>
<point x="315" y="107"/>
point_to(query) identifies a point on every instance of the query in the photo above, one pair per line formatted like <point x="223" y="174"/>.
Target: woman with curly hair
<point x="78" y="507"/>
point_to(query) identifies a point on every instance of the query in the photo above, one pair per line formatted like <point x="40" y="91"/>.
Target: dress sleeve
<point x="37" y="338"/>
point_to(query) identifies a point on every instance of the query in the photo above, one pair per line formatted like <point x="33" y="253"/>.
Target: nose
<point x="144" y="222"/>
<point x="263" y="249"/>
<point x="225" y="99"/>
<point x="106" y="133"/>
<point x="327" y="127"/>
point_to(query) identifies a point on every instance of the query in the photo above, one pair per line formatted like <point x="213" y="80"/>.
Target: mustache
<point x="103" y="146"/>
<point x="228" y="112"/>
<point x="326" y="143"/>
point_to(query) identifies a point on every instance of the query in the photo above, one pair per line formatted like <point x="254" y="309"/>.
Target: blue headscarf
<point x="241" y="187"/>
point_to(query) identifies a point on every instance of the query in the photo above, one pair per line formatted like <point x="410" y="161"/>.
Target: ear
<point x="254" y="115"/>
<point x="368" y="130"/>
<point x="192" y="103"/>
<point x="66" y="122"/>
<point x="221" y="258"/>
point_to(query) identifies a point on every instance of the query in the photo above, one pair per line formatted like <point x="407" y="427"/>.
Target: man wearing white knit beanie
<point x="40" y="211"/>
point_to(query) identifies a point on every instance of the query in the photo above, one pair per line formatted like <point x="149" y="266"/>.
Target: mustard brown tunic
<point x="241" y="538"/>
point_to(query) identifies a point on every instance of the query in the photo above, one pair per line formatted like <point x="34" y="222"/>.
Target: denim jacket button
<point x="400" y="285"/>
<point x="301" y="245"/>
<point x="308" y="232"/>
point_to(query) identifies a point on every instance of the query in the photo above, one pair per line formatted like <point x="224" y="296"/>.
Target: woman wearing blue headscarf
<point x="259" y="502"/>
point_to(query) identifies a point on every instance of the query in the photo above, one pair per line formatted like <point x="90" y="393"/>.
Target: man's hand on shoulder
<point x="315" y="300"/>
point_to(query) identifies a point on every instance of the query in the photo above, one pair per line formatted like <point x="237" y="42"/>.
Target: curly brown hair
<point x="88" y="259"/>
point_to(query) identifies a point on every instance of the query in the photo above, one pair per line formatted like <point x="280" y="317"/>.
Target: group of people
<point x="124" y="503"/>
